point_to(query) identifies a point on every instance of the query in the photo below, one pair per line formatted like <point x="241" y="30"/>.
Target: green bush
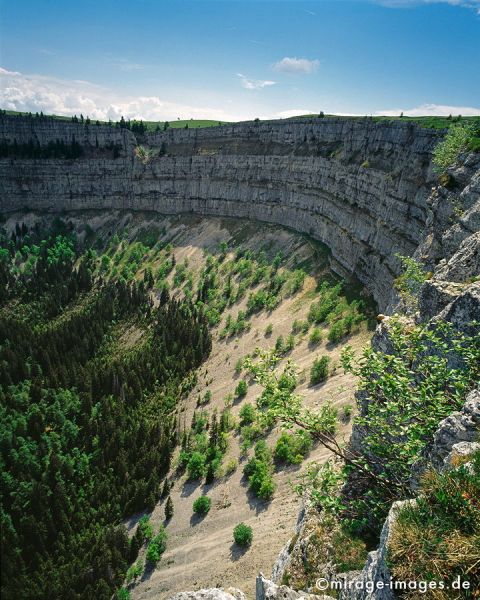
<point x="157" y="546"/>
<point x="241" y="389"/>
<point x="202" y="505"/>
<point x="268" y="330"/>
<point x="292" y="448"/>
<point x="315" y="337"/>
<point x="337" y="331"/>
<point x="123" y="594"/>
<point x="243" y="535"/>
<point x="259" y="471"/>
<point x="247" y="414"/>
<point x="134" y="571"/>
<point x="446" y="152"/>
<point x="145" y="528"/>
<point x="319" y="370"/>
<point x="196" y="465"/>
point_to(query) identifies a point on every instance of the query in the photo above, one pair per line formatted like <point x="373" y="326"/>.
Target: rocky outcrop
<point x="267" y="590"/>
<point x="361" y="187"/>
<point x="456" y="435"/>
<point x="211" y="594"/>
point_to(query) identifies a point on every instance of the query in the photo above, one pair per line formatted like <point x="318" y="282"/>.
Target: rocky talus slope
<point x="366" y="189"/>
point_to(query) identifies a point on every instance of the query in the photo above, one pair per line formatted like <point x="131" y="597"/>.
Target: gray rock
<point x="462" y="426"/>
<point x="211" y="594"/>
<point x="460" y="452"/>
<point x="436" y="295"/>
<point x="465" y="263"/>
<point x="458" y="428"/>
<point x="267" y="590"/>
<point x="463" y="311"/>
<point x="372" y="582"/>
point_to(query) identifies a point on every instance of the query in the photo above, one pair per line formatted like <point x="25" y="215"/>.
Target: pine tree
<point x="168" y="509"/>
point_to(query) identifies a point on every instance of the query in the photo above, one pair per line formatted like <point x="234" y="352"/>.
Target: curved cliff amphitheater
<point x="359" y="186"/>
<point x="340" y="198"/>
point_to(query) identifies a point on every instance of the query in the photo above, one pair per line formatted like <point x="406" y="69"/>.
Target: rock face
<point x="361" y="187"/>
<point x="267" y="590"/>
<point x="211" y="594"/>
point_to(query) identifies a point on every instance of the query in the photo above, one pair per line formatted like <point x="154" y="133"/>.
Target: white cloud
<point x="254" y="84"/>
<point x="296" y="65"/>
<point x="35" y="93"/>
<point x="472" y="4"/>
<point x="427" y="110"/>
<point x="123" y="64"/>
<point x="294" y="112"/>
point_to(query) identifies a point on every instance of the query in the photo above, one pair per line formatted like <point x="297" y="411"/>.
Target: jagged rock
<point x="211" y="594"/>
<point x="465" y="263"/>
<point x="436" y="295"/>
<point x="462" y="426"/>
<point x="267" y="590"/>
<point x="285" y="554"/>
<point x="370" y="584"/>
<point x="463" y="311"/>
<point x="460" y="452"/>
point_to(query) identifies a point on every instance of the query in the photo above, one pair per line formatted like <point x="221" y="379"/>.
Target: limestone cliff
<point x="360" y="186"/>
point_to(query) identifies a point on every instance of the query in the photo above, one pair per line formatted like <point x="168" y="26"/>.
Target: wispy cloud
<point x="294" y="112"/>
<point x="35" y="93"/>
<point x="46" y="51"/>
<point x="124" y="64"/>
<point x="254" y="84"/>
<point x="426" y="110"/>
<point x="296" y="65"/>
<point x="471" y="4"/>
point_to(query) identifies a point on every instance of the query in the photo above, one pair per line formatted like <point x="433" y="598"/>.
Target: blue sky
<point x="237" y="59"/>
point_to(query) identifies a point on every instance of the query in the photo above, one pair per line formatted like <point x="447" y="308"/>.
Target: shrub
<point x="300" y="326"/>
<point x="337" y="331"/>
<point x="247" y="414"/>
<point x="243" y="535"/>
<point x="410" y="282"/>
<point x="241" y="389"/>
<point x="329" y="299"/>
<point x="292" y="448"/>
<point x="230" y="467"/>
<point x="134" y="571"/>
<point x="157" y="546"/>
<point x="268" y="330"/>
<point x="196" y="465"/>
<point x="202" y="505"/>
<point x="259" y="471"/>
<point x="347" y="412"/>
<point x="315" y="337"/>
<point x="319" y="370"/>
<point x="145" y="528"/>
<point x="123" y="594"/>
<point x="239" y="366"/>
<point x="289" y="344"/>
<point x="446" y="152"/>
<point x="279" y="345"/>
